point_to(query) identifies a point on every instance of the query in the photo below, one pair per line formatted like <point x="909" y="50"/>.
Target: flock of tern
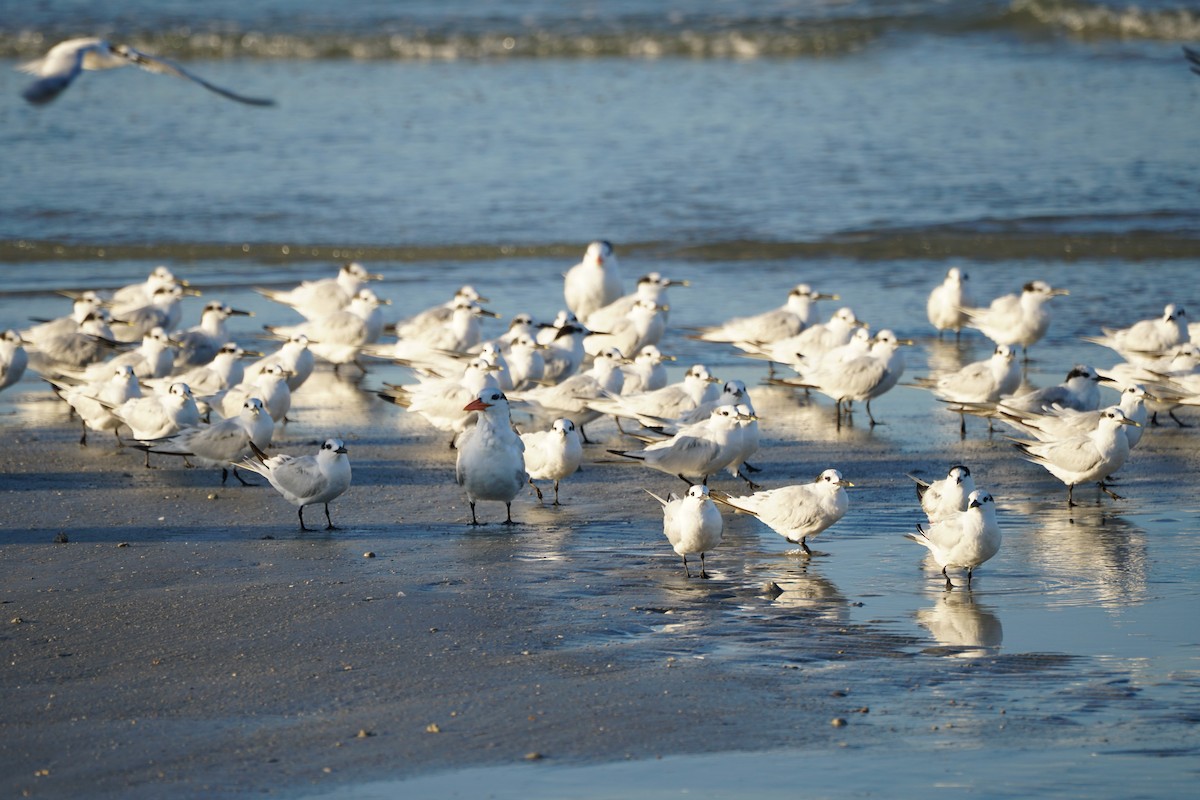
<point x="516" y="406"/>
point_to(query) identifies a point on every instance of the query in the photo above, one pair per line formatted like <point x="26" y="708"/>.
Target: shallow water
<point x="1020" y="141"/>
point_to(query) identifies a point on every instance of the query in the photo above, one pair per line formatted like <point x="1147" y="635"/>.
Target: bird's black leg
<point x="1110" y="492"/>
<point x="685" y="480"/>
<point x="1178" y="421"/>
<point x="537" y="491"/>
<point x="330" y="526"/>
<point x="474" y="519"/>
<point x="949" y="584"/>
<point x="703" y="572"/>
<point x="509" y="519"/>
<point x="970" y="575"/>
<point x="686" y="571"/>
<point x="1071" y="496"/>
<point x="962" y="426"/>
<point x="555" y="493"/>
<point x="242" y="480"/>
<point x="224" y="475"/>
<point x="303" y="527"/>
<point x="804" y="547"/>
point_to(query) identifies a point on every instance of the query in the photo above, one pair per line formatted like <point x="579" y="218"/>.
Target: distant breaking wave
<point x="1156" y="236"/>
<point x="639" y="37"/>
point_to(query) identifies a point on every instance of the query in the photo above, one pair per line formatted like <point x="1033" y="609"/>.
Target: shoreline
<point x="171" y="646"/>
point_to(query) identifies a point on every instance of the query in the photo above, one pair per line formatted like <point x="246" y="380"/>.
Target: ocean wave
<point x="1093" y="21"/>
<point x="743" y="37"/>
<point x="1167" y="236"/>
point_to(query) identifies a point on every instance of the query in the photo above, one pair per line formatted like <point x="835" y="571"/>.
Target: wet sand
<point x="188" y="639"/>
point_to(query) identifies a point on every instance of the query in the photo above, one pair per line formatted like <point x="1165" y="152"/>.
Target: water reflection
<point x="796" y="584"/>
<point x="966" y="628"/>
<point x="1093" y="552"/>
<point x="333" y="400"/>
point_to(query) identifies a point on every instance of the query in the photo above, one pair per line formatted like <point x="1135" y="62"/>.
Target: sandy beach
<point x="188" y="639"/>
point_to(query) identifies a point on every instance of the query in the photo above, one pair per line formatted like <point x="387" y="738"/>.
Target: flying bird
<point x="62" y="64"/>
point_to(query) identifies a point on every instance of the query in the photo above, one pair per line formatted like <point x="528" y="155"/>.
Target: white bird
<point x="947" y="301"/>
<point x="692" y="524"/>
<point x="946" y="497"/>
<point x="223" y="443"/>
<point x="64" y="61"/>
<point x="271" y="387"/>
<point x="862" y="377"/>
<point x="526" y="365"/>
<point x="980" y="383"/>
<point x="594" y="282"/>
<point x="644" y="324"/>
<point x="571" y="397"/>
<point x="459" y="332"/>
<point x="661" y="405"/>
<point x="159" y="414"/>
<point x="812" y="342"/>
<point x="651" y="287"/>
<point x="315" y="299"/>
<point x="72" y="345"/>
<point x="1083" y="459"/>
<point x="1080" y="390"/>
<point x="1147" y="338"/>
<point x="1016" y="318"/>
<point x="305" y="480"/>
<point x="440" y="401"/>
<point x="552" y="455"/>
<point x="200" y="343"/>
<point x="1065" y="423"/>
<point x="293" y="355"/>
<point x="13" y="358"/>
<point x="564" y="346"/>
<point x="93" y="402"/>
<point x="164" y="310"/>
<point x="748" y="437"/>
<point x="225" y="370"/>
<point x="966" y="539"/>
<point x="83" y="306"/>
<point x="646" y="372"/>
<point x="770" y="326"/>
<point x="732" y="393"/>
<point x="338" y="337"/>
<point x="142" y="292"/>
<point x="415" y="326"/>
<point x="153" y="358"/>
<point x="491" y="462"/>
<point x="696" y="451"/>
<point x="798" y="512"/>
<point x="1173" y="381"/>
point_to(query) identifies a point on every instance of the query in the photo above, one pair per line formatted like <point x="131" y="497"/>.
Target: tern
<point x="62" y="64"/>
<point x="965" y="539"/>
<point x="307" y="480"/>
<point x="692" y="524"/>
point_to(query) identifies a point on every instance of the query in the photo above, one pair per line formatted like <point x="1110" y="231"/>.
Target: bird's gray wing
<point x="300" y="476"/>
<point x="1076" y="455"/>
<point x="165" y="67"/>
